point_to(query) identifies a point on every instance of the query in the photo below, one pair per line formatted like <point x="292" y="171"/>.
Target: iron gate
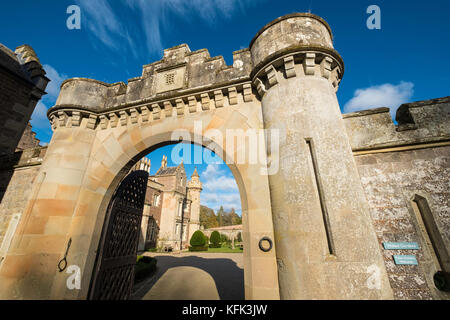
<point x="113" y="275"/>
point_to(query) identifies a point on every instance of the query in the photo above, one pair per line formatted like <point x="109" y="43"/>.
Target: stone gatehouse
<point x="347" y="185"/>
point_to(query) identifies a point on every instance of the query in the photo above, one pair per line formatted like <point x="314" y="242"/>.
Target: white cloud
<point x="39" y="118"/>
<point x="385" y="95"/>
<point x="214" y="179"/>
<point x="102" y="21"/>
<point x="221" y="183"/>
<point x="155" y="19"/>
<point x="227" y="201"/>
<point x="219" y="189"/>
<point x="55" y="83"/>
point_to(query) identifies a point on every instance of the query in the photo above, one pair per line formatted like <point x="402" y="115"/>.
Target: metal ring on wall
<point x="261" y="244"/>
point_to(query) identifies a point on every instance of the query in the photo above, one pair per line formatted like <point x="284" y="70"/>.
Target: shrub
<point x="212" y="245"/>
<point x="198" y="248"/>
<point x="223" y="238"/>
<point x="198" y="239"/>
<point x="215" y="239"/>
<point x="145" y="266"/>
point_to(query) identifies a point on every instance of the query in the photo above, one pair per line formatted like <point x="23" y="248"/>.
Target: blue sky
<point x="407" y="60"/>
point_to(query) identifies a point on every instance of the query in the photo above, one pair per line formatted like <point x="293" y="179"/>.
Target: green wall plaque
<point x="401" y="246"/>
<point x="405" y="260"/>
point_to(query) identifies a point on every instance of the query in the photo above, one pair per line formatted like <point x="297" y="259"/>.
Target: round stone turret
<point x="289" y="32"/>
<point x="295" y="45"/>
<point x="194" y="187"/>
<point x="318" y="204"/>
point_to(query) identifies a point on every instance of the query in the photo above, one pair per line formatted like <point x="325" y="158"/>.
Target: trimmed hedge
<point x="215" y="239"/>
<point x="198" y="239"/>
<point x="215" y="245"/>
<point x="198" y="248"/>
<point x="145" y="266"/>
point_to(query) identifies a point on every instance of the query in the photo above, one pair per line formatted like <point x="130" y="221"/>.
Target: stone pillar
<point x="194" y="190"/>
<point x="59" y="209"/>
<point x="326" y="244"/>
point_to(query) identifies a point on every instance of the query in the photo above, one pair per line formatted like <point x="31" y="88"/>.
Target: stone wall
<point x="22" y="84"/>
<point x="396" y="163"/>
<point x="391" y="180"/>
<point x="17" y="174"/>
<point x="419" y="122"/>
<point x="28" y="139"/>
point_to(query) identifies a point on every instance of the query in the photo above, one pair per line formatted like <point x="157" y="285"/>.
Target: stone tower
<point x="22" y="83"/>
<point x="194" y="188"/>
<point x="326" y="244"/>
<point x="164" y="162"/>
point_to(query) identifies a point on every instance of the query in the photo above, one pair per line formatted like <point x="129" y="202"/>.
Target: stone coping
<point x="92" y="80"/>
<point x="421" y="103"/>
<point x="363" y="113"/>
<point x="292" y="15"/>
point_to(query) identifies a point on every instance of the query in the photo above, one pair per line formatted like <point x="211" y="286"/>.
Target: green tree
<point x="235" y="218"/>
<point x="198" y="239"/>
<point x="215" y="239"/>
<point x="220" y="215"/>
<point x="207" y="218"/>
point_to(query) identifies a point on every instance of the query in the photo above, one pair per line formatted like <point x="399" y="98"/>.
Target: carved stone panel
<point x="172" y="79"/>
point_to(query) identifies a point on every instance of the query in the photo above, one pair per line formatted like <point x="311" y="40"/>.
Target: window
<point x="170" y="78"/>
<point x="156" y="200"/>
<point x="180" y="208"/>
<point x="184" y="233"/>
<point x="430" y="233"/>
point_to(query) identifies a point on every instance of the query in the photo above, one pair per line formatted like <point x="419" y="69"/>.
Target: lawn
<point x="224" y="249"/>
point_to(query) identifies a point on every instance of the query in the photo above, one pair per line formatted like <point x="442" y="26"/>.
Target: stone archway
<point x="83" y="167"/>
<point x="313" y="206"/>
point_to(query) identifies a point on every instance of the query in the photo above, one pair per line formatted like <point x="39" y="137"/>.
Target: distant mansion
<point x="171" y="209"/>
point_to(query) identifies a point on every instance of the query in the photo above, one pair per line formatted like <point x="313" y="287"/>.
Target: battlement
<point x="186" y="81"/>
<point x="23" y="158"/>
<point x="426" y="121"/>
<point x="179" y="74"/>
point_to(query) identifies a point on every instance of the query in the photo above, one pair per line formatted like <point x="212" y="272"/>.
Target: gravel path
<point x="194" y="276"/>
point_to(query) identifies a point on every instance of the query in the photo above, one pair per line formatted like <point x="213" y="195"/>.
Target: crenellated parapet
<point x="305" y="63"/>
<point x="32" y="66"/>
<point x="182" y="83"/>
<point x="295" y="45"/>
<point x="419" y="123"/>
<point x="185" y="82"/>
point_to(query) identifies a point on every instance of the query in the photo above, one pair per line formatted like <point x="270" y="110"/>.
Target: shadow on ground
<point x="228" y="276"/>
